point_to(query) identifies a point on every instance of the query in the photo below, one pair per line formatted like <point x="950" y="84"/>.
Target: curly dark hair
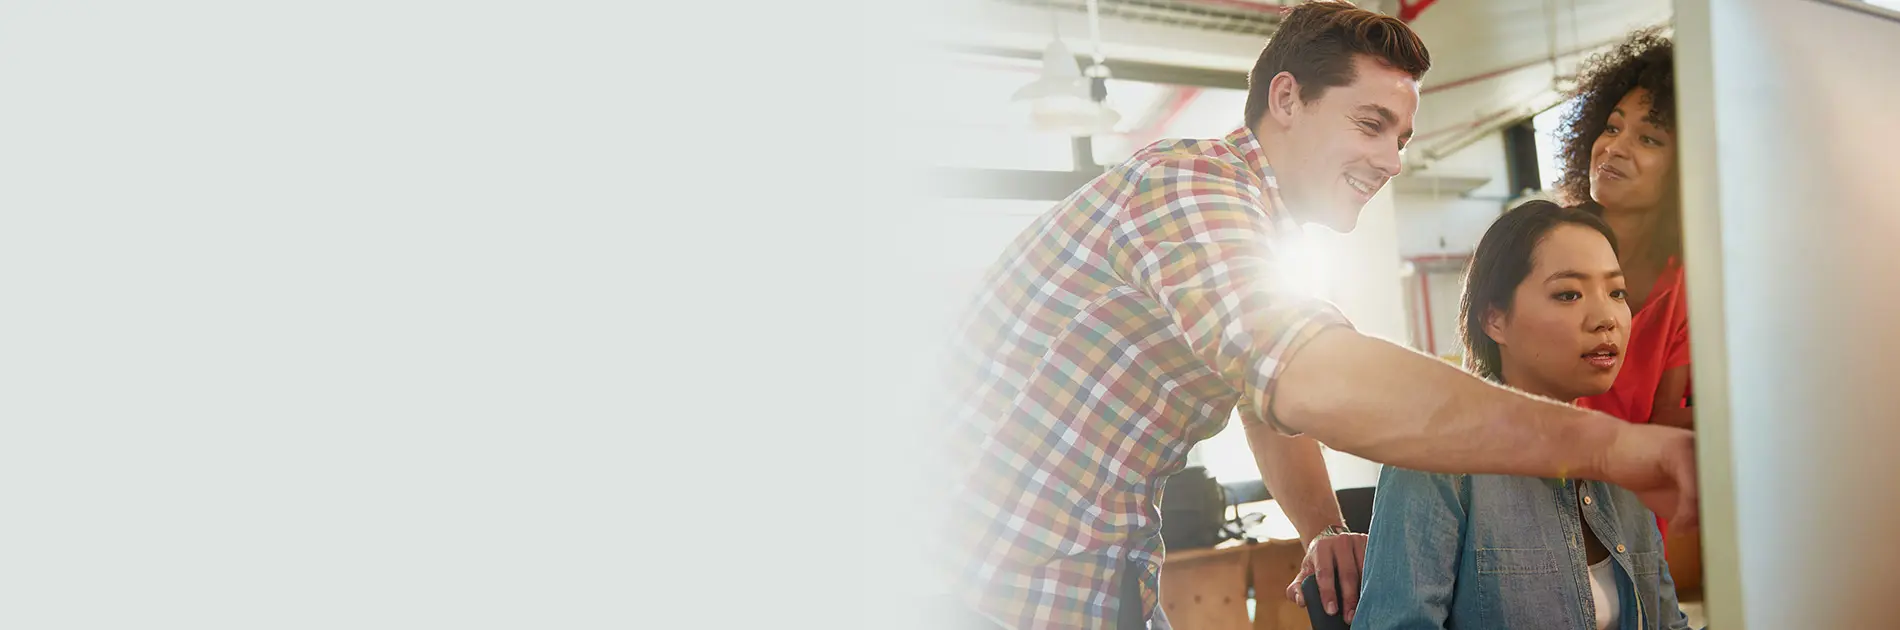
<point x="1645" y="60"/>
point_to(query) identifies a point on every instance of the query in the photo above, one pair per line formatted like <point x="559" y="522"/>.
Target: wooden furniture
<point x="1206" y="589"/>
<point x="1683" y="552"/>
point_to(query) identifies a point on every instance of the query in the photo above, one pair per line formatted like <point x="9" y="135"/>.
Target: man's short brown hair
<point x="1317" y="42"/>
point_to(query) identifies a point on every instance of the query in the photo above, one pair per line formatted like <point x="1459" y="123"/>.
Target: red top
<point x="1659" y="340"/>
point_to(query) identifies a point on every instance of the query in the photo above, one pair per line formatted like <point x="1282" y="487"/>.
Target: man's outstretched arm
<point x="1196" y="241"/>
<point x="1374" y="399"/>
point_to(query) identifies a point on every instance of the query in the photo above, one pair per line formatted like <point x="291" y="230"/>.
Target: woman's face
<point x="1633" y="162"/>
<point x="1565" y="332"/>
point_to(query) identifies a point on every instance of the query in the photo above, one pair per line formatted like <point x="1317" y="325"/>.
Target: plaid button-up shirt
<point x="1117" y="331"/>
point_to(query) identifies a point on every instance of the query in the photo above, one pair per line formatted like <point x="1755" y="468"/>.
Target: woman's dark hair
<point x="1501" y="263"/>
<point x="1646" y="60"/>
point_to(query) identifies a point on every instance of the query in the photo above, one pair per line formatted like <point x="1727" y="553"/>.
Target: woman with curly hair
<point x="1619" y="162"/>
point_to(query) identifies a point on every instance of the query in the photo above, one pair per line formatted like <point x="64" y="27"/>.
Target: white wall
<point x="1362" y="269"/>
<point x="1366" y="286"/>
<point x="1788" y="161"/>
<point x="964" y="237"/>
<point x="1450" y="223"/>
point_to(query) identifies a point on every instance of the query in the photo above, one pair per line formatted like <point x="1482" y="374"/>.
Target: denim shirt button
<point x="1621" y="549"/>
<point x="1586" y="499"/>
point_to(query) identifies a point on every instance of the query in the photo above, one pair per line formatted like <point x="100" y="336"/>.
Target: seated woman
<point x="1543" y="312"/>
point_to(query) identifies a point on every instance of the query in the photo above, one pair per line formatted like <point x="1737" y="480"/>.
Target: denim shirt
<point x="1495" y="551"/>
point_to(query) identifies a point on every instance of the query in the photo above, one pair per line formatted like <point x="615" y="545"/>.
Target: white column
<point x="1362" y="269"/>
<point x="1361" y="276"/>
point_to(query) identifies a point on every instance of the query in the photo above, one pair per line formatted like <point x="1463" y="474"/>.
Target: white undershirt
<point x="1603" y="590"/>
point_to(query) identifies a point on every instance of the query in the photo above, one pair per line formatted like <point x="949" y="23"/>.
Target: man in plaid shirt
<point x="1130" y="321"/>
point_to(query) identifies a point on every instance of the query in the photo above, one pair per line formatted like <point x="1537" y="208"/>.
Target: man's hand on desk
<point x="1333" y="556"/>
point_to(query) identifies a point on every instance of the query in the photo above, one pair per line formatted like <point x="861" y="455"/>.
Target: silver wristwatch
<point x="1333" y="530"/>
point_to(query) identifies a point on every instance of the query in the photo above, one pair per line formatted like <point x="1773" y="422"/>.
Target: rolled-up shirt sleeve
<point x="1196" y="239"/>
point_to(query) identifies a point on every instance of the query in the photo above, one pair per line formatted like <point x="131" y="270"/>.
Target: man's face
<point x="1345" y="144"/>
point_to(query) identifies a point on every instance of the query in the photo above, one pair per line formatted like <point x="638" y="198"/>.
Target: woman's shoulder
<point x="1398" y="475"/>
<point x="1396" y="484"/>
<point x="1464" y="488"/>
<point x="1404" y="494"/>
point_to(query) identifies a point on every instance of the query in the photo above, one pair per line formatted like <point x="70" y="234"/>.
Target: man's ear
<point x="1494" y="325"/>
<point x="1283" y="98"/>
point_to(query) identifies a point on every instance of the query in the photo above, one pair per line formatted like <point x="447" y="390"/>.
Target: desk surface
<point x="1230" y="547"/>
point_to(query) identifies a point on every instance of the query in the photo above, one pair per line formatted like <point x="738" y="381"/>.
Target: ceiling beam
<point x="1130" y="70"/>
<point x="1011" y="25"/>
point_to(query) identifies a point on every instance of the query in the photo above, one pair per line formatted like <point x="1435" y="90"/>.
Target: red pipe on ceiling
<point x="1409" y="11"/>
<point x="1456" y="83"/>
<point x="1463" y="126"/>
<point x="1171" y="112"/>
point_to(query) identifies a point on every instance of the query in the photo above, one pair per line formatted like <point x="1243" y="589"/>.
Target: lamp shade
<point x="1059" y="98"/>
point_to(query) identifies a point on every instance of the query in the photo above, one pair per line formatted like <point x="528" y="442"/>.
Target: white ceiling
<point x="1473" y="43"/>
<point x="1470" y="39"/>
<point x="997" y="23"/>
